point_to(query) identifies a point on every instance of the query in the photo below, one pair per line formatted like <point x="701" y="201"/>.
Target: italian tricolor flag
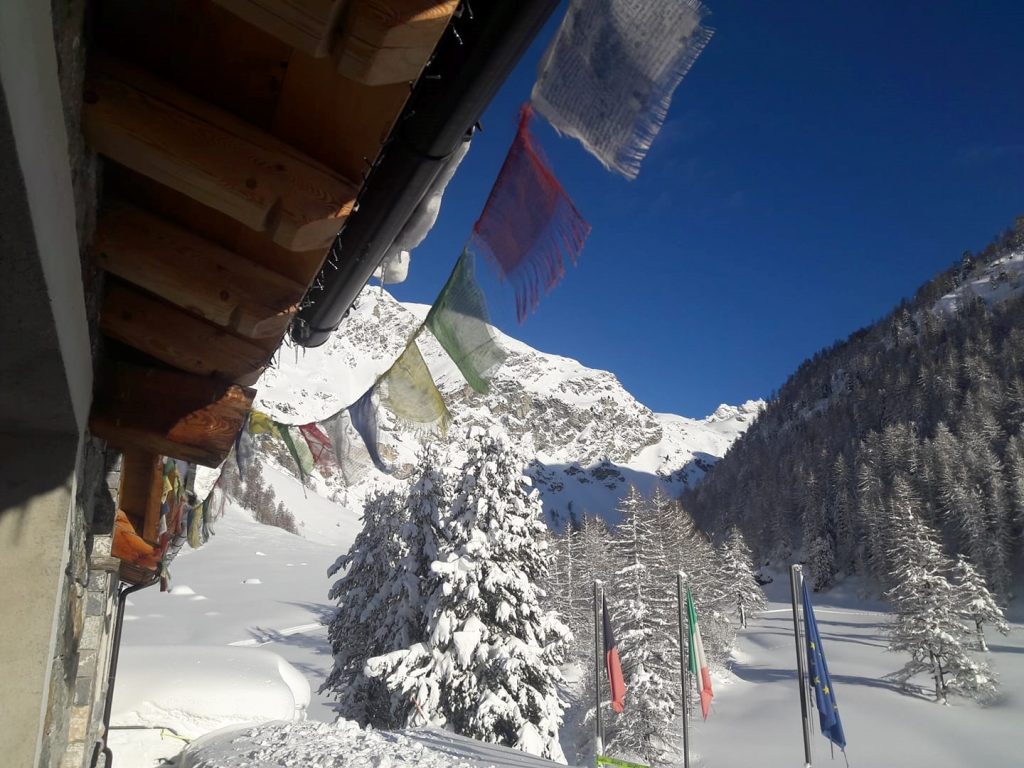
<point x="698" y="661"/>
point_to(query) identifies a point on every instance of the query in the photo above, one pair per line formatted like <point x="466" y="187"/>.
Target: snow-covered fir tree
<point x="641" y="595"/>
<point x="974" y="601"/>
<point x="428" y="502"/>
<point x="366" y="595"/>
<point x="738" y="572"/>
<point x="488" y="666"/>
<point x="688" y="550"/>
<point x="928" y="625"/>
<point x="589" y="548"/>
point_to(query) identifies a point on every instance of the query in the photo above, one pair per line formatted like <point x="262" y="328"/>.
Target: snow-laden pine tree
<point x="488" y="666"/>
<point x="426" y="506"/>
<point x="689" y="550"/>
<point x="975" y="602"/>
<point x="365" y="594"/>
<point x="642" y="598"/>
<point x="927" y="624"/>
<point x="738" y="572"/>
<point x="590" y="551"/>
<point x="558" y="586"/>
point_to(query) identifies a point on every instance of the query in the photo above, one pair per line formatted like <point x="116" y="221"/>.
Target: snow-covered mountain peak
<point x="741" y="413"/>
<point x="591" y="437"/>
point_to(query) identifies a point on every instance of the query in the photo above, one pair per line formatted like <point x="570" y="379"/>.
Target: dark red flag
<point x="529" y="225"/>
<point x="319" y="444"/>
<point x="612" y="663"/>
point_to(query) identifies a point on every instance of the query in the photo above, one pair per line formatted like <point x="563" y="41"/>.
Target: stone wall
<point x="78" y="680"/>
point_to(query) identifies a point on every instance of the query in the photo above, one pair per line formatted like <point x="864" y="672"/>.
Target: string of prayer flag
<point x="529" y="226"/>
<point x="608" y="76"/>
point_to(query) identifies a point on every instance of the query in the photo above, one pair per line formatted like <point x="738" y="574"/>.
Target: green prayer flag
<point x="409" y="392"/>
<point x="195" y="525"/>
<point x="617" y="763"/>
<point x="458" y="320"/>
<point x="297" y="448"/>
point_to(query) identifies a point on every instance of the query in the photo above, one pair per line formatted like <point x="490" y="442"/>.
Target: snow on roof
<point x="344" y="743"/>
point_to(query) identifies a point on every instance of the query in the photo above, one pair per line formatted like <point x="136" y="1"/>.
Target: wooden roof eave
<point x="224" y="199"/>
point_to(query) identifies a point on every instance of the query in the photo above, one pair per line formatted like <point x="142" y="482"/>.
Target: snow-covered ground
<point x="318" y="745"/>
<point x="755" y="717"/>
<point x="254" y="588"/>
<point x="1003" y="279"/>
<point x="250" y="587"/>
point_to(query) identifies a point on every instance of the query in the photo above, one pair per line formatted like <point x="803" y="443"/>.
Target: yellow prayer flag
<point x="409" y="392"/>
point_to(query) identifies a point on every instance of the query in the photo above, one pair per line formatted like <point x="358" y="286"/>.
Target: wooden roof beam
<point x="213" y="157"/>
<point x="375" y="42"/>
<point x="175" y="414"/>
<point x="308" y="25"/>
<point x="173" y="336"/>
<point x="390" y="41"/>
<point x="187" y="270"/>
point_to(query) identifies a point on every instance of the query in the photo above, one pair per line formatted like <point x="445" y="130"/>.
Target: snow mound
<point x="312" y="745"/>
<point x="196" y="689"/>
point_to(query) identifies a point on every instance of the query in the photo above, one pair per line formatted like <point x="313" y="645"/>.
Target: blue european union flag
<point x="817" y="669"/>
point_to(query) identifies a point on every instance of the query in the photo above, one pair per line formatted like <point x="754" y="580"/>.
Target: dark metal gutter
<point x="469" y="65"/>
<point x="102" y="748"/>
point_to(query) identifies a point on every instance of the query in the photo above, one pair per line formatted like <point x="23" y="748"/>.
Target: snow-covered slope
<point x="1001" y="280"/>
<point x="590" y="436"/>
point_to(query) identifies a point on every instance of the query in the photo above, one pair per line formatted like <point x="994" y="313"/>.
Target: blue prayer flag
<point x="817" y="670"/>
<point x="363" y="414"/>
<point x="244" y="449"/>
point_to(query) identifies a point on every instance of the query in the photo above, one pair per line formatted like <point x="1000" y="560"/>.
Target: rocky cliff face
<point x="590" y="437"/>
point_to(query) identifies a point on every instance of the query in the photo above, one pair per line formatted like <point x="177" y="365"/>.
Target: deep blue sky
<point x="820" y="161"/>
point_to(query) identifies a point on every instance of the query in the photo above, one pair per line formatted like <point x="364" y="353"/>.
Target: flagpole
<point x="795" y="580"/>
<point x="683" y="654"/>
<point x="598" y="645"/>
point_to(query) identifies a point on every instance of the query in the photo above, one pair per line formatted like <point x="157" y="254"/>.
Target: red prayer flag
<point x="529" y="224"/>
<point x="613" y="664"/>
<point x="319" y="443"/>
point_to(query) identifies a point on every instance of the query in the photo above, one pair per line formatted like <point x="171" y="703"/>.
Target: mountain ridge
<point x="917" y="416"/>
<point x="590" y="437"/>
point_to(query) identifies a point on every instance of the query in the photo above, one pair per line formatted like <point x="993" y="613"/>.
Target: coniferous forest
<point x="458" y="608"/>
<point x="912" y="429"/>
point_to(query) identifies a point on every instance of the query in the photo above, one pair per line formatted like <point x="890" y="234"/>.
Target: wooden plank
<point x="390" y="41"/>
<point x="212" y="225"/>
<point x="134" y="574"/>
<point x="172" y="413"/>
<point x="214" y="158"/>
<point x="139" y="494"/>
<point x="334" y="119"/>
<point x="199" y="47"/>
<point x="193" y="273"/>
<point x="173" y="336"/>
<point x="308" y="25"/>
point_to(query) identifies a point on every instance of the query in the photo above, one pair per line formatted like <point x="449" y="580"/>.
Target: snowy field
<point x="255" y="589"/>
<point x="755" y="717"/>
<point x="250" y="587"/>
